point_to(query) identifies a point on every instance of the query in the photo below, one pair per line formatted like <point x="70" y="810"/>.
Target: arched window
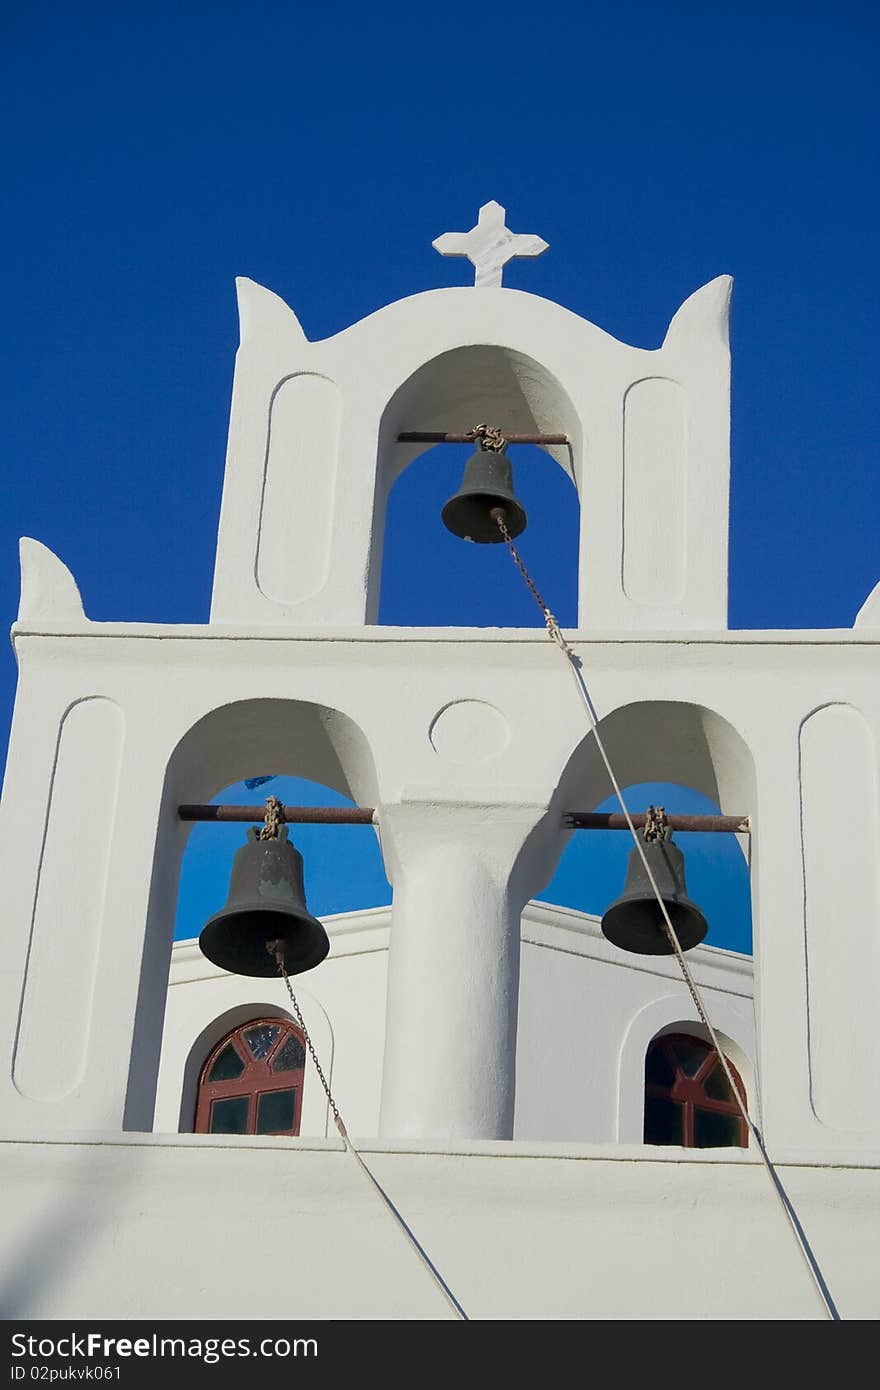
<point x="252" y="1082"/>
<point x="688" y="1099"/>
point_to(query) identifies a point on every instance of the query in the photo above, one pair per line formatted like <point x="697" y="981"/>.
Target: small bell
<point x="634" y="921"/>
<point x="265" y="913"/>
<point x="487" y="483"/>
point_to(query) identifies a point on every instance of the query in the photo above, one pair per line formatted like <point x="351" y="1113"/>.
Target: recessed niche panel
<point x="299" y="484"/>
<point x="53" y="1031"/>
<point x="839" y="827"/>
<point x="655" y="442"/>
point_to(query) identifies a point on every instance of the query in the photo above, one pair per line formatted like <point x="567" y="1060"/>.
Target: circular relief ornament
<point x="469" y="731"/>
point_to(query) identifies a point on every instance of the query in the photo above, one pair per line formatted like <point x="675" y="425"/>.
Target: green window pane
<point x="663" y="1121"/>
<point x="229" y="1116"/>
<point x="227" y="1065"/>
<point x="291" y="1056"/>
<point x="714" y="1131"/>
<point x="275" y="1111"/>
<point x="717" y="1086"/>
<point x="260" y="1039"/>
<point x="691" y="1054"/>
<point x="658" y="1072"/>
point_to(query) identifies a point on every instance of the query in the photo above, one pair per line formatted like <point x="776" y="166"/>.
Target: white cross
<point x="489" y="245"/>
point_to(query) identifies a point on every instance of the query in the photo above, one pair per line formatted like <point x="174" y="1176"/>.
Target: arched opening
<point x="687" y="759"/>
<point x="342" y="864"/>
<point x="235" y="741"/>
<point x="592" y="870"/>
<point x="432" y="578"/>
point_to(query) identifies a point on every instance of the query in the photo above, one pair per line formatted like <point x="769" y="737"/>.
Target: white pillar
<point x="450" y="1045"/>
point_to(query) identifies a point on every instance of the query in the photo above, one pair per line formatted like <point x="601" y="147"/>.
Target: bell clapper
<point x="276" y="951"/>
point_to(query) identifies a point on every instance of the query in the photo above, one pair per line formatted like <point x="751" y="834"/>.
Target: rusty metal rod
<point x="437" y="437"/>
<point x="615" y="820"/>
<point x="304" y="815"/>
<point x="363" y="815"/>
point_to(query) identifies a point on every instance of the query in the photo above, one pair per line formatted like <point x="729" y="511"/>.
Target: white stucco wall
<point x="149" y="1227"/>
<point x="587" y="1012"/>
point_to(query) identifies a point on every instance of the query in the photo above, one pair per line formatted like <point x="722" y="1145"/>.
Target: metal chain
<point x="490" y="438"/>
<point x="273" y="819"/>
<point x="497" y="515"/>
<point x="574" y="662"/>
<point x="279" y="956"/>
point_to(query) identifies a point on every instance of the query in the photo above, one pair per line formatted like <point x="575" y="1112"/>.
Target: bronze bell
<point x="265" y="913"/>
<point x="487" y="483"/>
<point x="635" y="922"/>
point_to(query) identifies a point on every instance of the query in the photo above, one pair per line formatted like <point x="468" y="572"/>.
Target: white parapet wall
<point x="149" y="1227"/>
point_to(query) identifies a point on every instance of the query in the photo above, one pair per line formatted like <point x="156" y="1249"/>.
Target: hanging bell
<point x="265" y="913"/>
<point x="487" y="483"/>
<point x="635" y="921"/>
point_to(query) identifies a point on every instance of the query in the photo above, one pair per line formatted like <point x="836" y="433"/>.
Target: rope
<point x="490" y="438"/>
<point x="275" y="949"/>
<point x="575" y="666"/>
<point x="273" y="819"/>
<point x="656" y="824"/>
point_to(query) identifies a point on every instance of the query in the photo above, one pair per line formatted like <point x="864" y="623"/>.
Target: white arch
<point x="195" y="1025"/>
<point x="733" y="1026"/>
<point x="229" y="742"/>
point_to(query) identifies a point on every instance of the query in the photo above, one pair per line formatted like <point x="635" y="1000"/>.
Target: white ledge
<point x="495" y="636"/>
<point x="511" y="1150"/>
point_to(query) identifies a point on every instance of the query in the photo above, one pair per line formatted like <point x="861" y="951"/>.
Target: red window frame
<point x="689" y="1091"/>
<point x="256" y="1079"/>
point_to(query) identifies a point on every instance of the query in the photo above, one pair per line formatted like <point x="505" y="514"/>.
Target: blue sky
<point x="152" y="157"/>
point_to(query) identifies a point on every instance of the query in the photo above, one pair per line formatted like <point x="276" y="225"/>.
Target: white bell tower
<point x="471" y="745"/>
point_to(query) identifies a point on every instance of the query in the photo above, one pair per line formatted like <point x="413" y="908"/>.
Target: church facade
<point x="493" y="1058"/>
